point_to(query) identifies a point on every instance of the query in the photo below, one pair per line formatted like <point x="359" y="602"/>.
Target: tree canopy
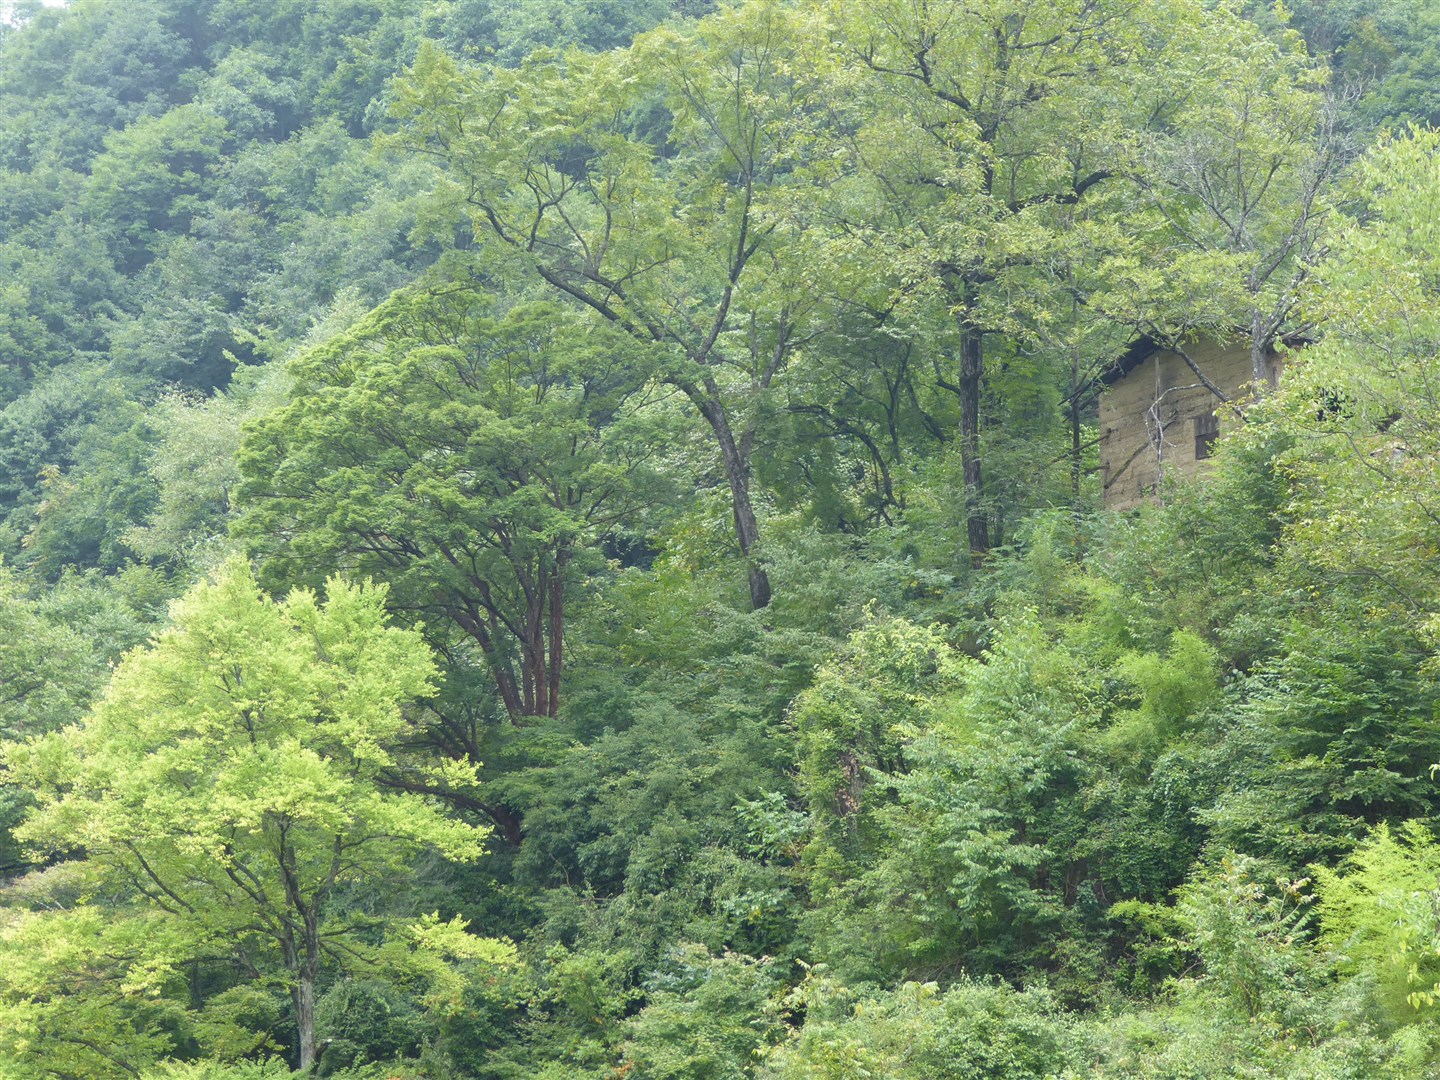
<point x="229" y="776"/>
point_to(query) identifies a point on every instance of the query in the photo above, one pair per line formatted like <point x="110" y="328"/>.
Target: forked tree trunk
<point x="528" y="685"/>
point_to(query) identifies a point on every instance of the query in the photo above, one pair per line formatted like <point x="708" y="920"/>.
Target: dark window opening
<point x="1207" y="430"/>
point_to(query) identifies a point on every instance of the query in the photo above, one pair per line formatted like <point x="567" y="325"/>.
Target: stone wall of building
<point x="1158" y="423"/>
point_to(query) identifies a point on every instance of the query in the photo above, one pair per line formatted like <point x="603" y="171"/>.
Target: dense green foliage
<point x="562" y="538"/>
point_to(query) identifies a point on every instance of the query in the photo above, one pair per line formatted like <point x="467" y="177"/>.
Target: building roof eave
<point x="1138" y="351"/>
<point x="1144" y="347"/>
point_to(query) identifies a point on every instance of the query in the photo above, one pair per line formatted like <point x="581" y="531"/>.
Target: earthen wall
<point x="1154" y="419"/>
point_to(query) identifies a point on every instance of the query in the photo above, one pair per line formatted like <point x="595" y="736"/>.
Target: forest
<point x="567" y="539"/>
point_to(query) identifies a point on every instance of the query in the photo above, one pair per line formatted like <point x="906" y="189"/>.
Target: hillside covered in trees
<point x="565" y="539"/>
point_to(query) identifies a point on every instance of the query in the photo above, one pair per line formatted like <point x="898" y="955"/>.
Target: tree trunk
<point x="305" y="966"/>
<point x="302" y="957"/>
<point x="972" y="368"/>
<point x="544" y="647"/>
<point x="557" y="629"/>
<point x="473" y="622"/>
<point x="508" y="822"/>
<point x="533" y="648"/>
<point x="1261" y="370"/>
<point x="747" y="531"/>
<point x="1076" y="473"/>
<point x="737" y="473"/>
<point x="304" y="998"/>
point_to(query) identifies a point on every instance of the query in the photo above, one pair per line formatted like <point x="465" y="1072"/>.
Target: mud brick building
<point x="1159" y="423"/>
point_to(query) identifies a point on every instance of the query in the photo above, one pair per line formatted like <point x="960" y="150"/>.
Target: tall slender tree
<point x="642" y="185"/>
<point x="975" y="122"/>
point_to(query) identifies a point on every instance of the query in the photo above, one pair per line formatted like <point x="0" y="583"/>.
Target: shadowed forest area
<point x="567" y="539"/>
